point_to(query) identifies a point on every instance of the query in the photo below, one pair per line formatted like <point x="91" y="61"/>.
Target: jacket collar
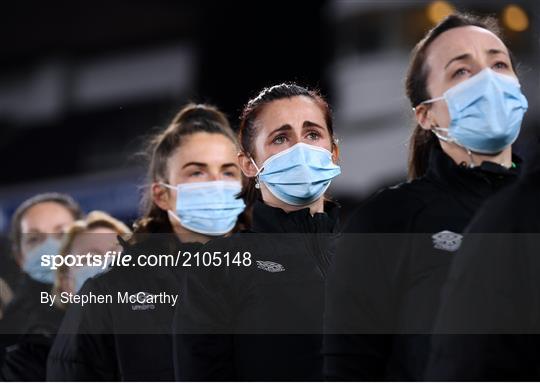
<point x="26" y="282"/>
<point x="152" y="242"/>
<point x="470" y="185"/>
<point x="267" y="219"/>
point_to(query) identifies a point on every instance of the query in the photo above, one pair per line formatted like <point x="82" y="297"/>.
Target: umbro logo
<point x="141" y="305"/>
<point x="447" y="240"/>
<point x="269" y="266"/>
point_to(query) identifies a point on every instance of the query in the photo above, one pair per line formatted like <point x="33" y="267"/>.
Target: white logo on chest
<point x="447" y="240"/>
<point x="140" y="305"/>
<point x="269" y="266"/>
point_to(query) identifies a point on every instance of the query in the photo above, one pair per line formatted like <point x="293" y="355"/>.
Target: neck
<point x="189" y="236"/>
<point x="461" y="155"/>
<point x="314" y="207"/>
<point x="186" y="235"/>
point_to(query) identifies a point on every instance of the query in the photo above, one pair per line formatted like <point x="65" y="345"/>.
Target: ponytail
<point x="420" y="145"/>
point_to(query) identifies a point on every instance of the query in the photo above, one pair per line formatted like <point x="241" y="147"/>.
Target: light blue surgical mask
<point x="32" y="260"/>
<point x="485" y="111"/>
<point x="298" y="175"/>
<point x="209" y="208"/>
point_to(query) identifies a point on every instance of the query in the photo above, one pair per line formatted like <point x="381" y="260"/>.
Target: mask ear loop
<point x="257" y="183"/>
<point x="436" y="130"/>
<point x="167" y="185"/>
<point x="169" y="211"/>
<point x="451" y="140"/>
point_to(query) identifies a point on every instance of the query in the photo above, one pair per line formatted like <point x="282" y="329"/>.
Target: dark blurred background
<point x="83" y="84"/>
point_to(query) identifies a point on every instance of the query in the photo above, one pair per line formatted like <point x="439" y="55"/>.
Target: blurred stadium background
<point x="83" y="83"/>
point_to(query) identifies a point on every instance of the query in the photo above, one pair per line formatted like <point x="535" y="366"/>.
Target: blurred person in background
<point x="96" y="234"/>
<point x="37" y="227"/>
<point x="383" y="299"/>
<point x="9" y="274"/>
<point x="263" y="320"/>
<point x="194" y="179"/>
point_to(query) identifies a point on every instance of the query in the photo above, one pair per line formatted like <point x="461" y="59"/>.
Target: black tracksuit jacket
<point x="492" y="295"/>
<point x="262" y="321"/>
<point x="21" y="316"/>
<point x="386" y="279"/>
<point x="122" y="341"/>
<point x="26" y="358"/>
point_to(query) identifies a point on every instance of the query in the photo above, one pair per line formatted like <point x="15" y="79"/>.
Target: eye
<point x="32" y="240"/>
<point x="278" y="140"/>
<point x="196" y="173"/>
<point x="500" y="65"/>
<point x="313" y="135"/>
<point x="229" y="174"/>
<point x="460" y="72"/>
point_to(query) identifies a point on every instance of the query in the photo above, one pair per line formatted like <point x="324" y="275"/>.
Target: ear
<point x="335" y="152"/>
<point x="424" y="116"/>
<point x="246" y="165"/>
<point x="160" y="196"/>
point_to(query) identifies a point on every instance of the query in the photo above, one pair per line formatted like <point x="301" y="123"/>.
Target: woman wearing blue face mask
<point x="383" y="290"/>
<point x="262" y="319"/>
<point x="37" y="227"/>
<point x="96" y="234"/>
<point x="194" y="179"/>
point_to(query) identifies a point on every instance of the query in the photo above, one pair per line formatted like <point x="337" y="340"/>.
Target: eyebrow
<point x="494" y="51"/>
<point x="310" y="124"/>
<point x="286" y="127"/>
<point x="464" y="56"/>
<point x="230" y="164"/>
<point x="58" y="227"/>
<point x="282" y="128"/>
<point x="200" y="164"/>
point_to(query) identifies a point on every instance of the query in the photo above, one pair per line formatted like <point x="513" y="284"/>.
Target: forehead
<point x="457" y="41"/>
<point x="45" y="213"/>
<point x="102" y="230"/>
<point x="290" y="111"/>
<point x="204" y="147"/>
<point x="94" y="238"/>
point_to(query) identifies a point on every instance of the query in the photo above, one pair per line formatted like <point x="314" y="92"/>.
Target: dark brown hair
<point x="422" y="141"/>
<point x="61" y="199"/>
<point x="251" y="112"/>
<point x="191" y="119"/>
